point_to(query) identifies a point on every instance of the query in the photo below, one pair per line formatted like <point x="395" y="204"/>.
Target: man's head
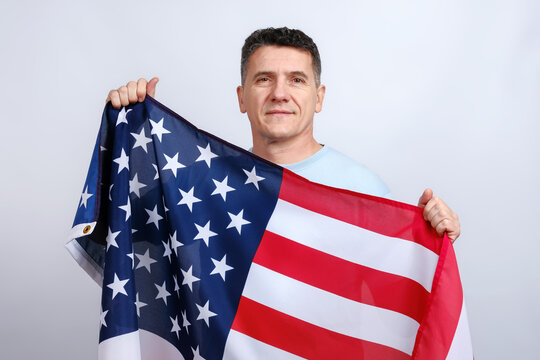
<point x="280" y="37"/>
<point x="281" y="92"/>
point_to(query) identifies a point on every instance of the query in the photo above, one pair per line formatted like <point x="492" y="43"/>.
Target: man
<point x="281" y="92"/>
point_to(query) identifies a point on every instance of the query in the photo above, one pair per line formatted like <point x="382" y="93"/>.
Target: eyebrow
<point x="299" y="73"/>
<point x="267" y="73"/>
<point x="262" y="73"/>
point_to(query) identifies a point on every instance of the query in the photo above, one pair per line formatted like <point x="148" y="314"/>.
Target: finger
<point x="450" y="228"/>
<point x="442" y="227"/>
<point x="151" y="86"/>
<point x="447" y="225"/>
<point x="431" y="208"/>
<point x="132" y="92"/>
<point x="437" y="206"/>
<point x="141" y="89"/>
<point x="431" y="211"/>
<point x="123" y="92"/>
<point x="426" y="196"/>
<point x="114" y="98"/>
<point x="436" y="220"/>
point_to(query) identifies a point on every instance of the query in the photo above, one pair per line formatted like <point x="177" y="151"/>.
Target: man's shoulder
<point x="333" y="168"/>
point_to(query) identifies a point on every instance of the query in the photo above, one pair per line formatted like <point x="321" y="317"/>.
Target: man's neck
<point x="283" y="152"/>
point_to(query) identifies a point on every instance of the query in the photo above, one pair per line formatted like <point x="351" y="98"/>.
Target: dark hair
<point x="280" y="37"/>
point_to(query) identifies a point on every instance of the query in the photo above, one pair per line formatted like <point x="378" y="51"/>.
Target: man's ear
<point x="240" y="94"/>
<point x="320" y="97"/>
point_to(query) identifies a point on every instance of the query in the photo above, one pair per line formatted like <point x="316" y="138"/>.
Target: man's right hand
<point x="132" y="92"/>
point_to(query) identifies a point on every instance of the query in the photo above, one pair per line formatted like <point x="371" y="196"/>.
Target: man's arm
<point x="132" y="92"/>
<point x="439" y="215"/>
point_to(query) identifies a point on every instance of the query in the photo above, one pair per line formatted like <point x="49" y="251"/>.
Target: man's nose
<point x="280" y="91"/>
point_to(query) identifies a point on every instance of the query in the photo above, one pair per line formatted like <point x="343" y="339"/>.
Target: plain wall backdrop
<point x="442" y="94"/>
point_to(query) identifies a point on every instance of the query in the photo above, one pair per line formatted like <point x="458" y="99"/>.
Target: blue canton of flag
<point x="175" y="266"/>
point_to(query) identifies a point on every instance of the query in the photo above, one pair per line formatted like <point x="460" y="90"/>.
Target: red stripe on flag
<point x="376" y="214"/>
<point x="342" y="277"/>
<point x="437" y="330"/>
<point x="304" y="339"/>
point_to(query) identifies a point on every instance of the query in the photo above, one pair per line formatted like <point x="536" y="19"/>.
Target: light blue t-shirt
<point x="330" y="167"/>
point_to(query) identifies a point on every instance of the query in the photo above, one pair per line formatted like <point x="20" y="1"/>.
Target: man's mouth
<point x="279" y="112"/>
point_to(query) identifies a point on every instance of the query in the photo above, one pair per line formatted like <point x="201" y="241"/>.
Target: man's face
<point x="280" y="95"/>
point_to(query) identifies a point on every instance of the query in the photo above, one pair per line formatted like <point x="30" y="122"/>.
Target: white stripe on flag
<point x="122" y="347"/>
<point x="461" y="348"/>
<point x="330" y="311"/>
<point x="155" y="347"/>
<point x="140" y="344"/>
<point x="353" y="243"/>
<point x="85" y="261"/>
<point x="243" y="347"/>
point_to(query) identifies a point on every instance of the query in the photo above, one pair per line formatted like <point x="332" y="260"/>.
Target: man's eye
<point x="298" y="80"/>
<point x="263" y="79"/>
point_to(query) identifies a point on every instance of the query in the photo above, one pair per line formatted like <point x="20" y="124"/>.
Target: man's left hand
<point x="439" y="215"/>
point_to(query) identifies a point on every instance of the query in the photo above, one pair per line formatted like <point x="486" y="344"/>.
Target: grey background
<point x="425" y="93"/>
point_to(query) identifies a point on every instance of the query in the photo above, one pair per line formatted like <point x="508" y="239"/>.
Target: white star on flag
<point x="117" y="286"/>
<point x="204" y="233"/>
<point x="162" y="292"/>
<point x="111" y="239"/>
<point x="122" y="161"/>
<point x="102" y="317"/>
<point x="139" y="304"/>
<point x="158" y="129"/>
<point x="175" y="243"/>
<point x="252" y="177"/>
<point x="130" y="255"/>
<point x="135" y="186"/>
<point x="221" y="267"/>
<point x="175" y="326"/>
<point x="122" y="116"/>
<point x="176" y="287"/>
<point x="205" y="313"/>
<point x="237" y="221"/>
<point x="157" y="172"/>
<point x="153" y="217"/>
<point x="165" y="206"/>
<point x="141" y="140"/>
<point x="188" y="198"/>
<point x="222" y="188"/>
<point x="185" y="322"/>
<point x="189" y="279"/>
<point x="206" y="154"/>
<point x="167" y="253"/>
<point x="127" y="209"/>
<point x="145" y="260"/>
<point x="172" y="164"/>
<point x="196" y="355"/>
<point x="85" y="196"/>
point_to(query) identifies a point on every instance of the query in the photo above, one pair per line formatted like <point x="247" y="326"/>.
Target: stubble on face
<point x="280" y="96"/>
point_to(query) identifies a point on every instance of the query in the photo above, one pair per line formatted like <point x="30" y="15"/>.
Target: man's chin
<point x="279" y="136"/>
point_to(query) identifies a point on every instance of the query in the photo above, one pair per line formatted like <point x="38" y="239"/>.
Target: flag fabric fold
<point x="206" y="251"/>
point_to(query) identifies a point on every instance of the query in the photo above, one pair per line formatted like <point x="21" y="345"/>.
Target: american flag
<point x="205" y="251"/>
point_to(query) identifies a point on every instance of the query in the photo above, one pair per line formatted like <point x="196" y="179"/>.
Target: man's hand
<point x="132" y="92"/>
<point x="439" y="215"/>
